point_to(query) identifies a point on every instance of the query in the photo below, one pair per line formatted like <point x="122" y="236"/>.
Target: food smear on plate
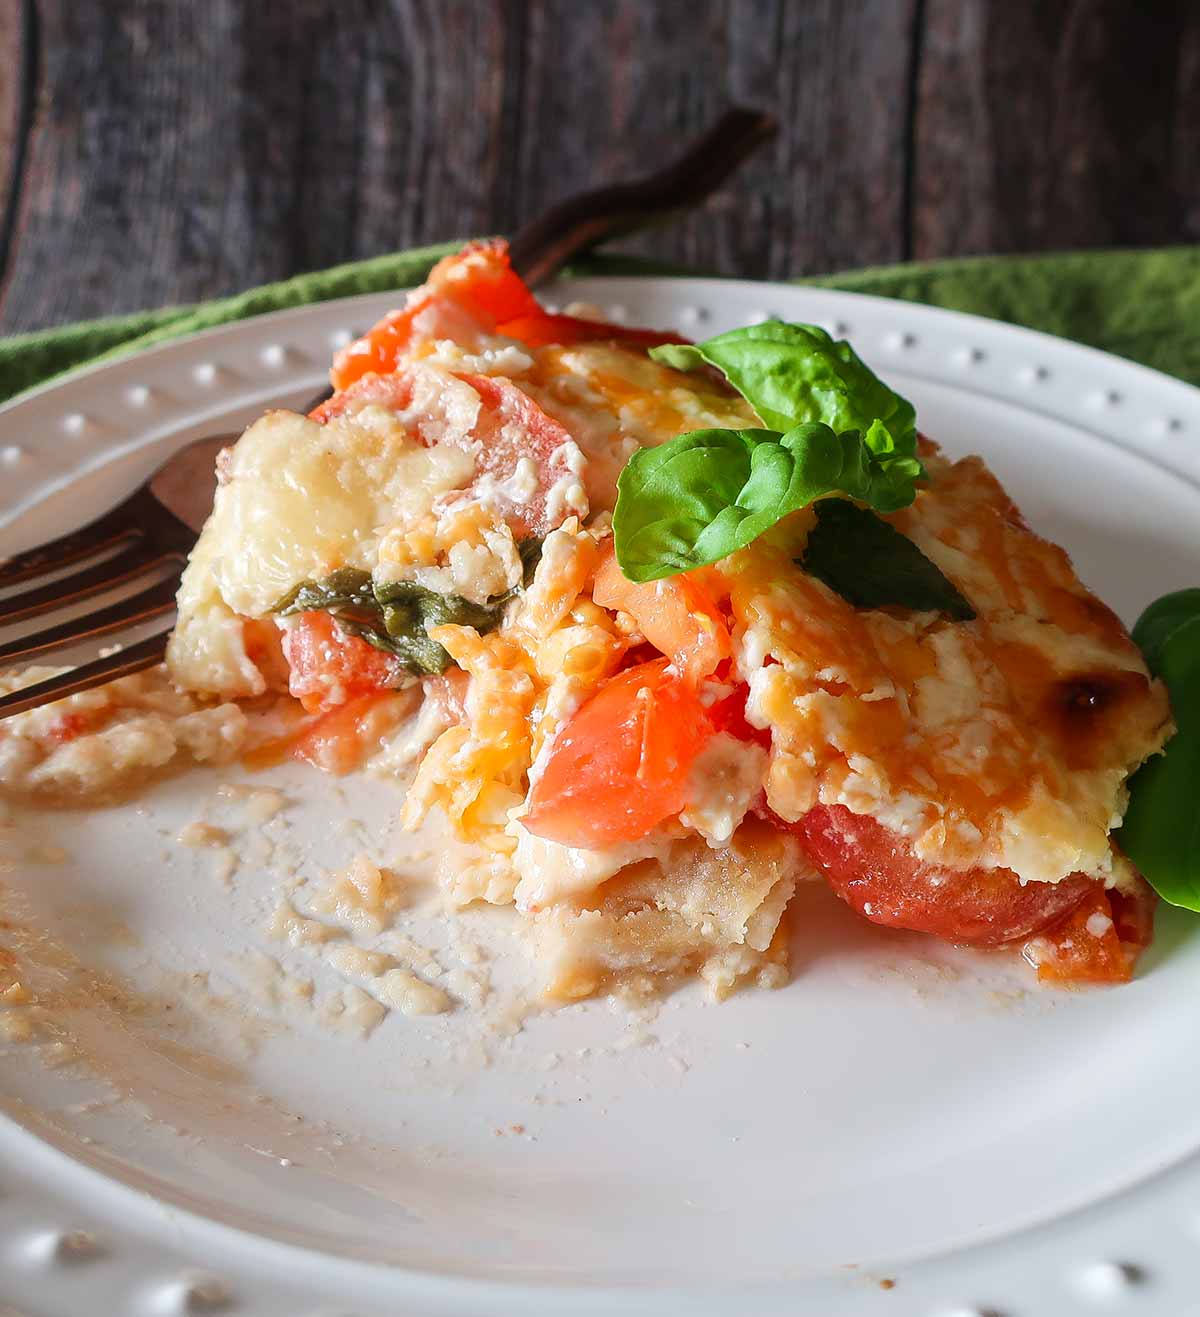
<point x="662" y="630"/>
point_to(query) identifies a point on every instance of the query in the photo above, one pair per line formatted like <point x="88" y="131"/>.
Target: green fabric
<point x="1144" y="305"/>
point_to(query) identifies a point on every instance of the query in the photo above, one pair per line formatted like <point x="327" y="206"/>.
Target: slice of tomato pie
<point x="652" y="715"/>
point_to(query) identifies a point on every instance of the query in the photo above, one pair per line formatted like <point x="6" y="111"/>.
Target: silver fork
<point x="159" y="522"/>
<point x="156" y="525"/>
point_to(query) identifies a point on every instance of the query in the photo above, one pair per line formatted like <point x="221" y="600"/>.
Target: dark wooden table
<point x="158" y="151"/>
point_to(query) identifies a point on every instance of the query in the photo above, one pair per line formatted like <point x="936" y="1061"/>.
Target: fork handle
<point x="539" y="249"/>
<point x="542" y="247"/>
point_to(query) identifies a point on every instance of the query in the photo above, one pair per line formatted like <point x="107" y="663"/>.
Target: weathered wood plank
<point x="188" y="150"/>
<point x="827" y="193"/>
<point x="10" y="93"/>
<point x="1044" y="126"/>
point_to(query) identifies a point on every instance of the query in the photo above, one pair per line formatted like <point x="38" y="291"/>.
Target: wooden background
<point x="156" y="151"/>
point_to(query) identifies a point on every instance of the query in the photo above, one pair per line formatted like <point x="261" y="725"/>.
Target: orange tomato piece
<point x="729" y="715"/>
<point x="512" y="426"/>
<point x="679" y="616"/>
<point x="329" y="667"/>
<point x="480" y="281"/>
<point x="378" y="350"/>
<point x="392" y="391"/>
<point x="1097" y="942"/>
<point x="620" y="766"/>
<point x="873" y="870"/>
<point x="339" y="739"/>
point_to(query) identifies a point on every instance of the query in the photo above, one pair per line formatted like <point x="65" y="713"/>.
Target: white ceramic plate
<point x="901" y="1113"/>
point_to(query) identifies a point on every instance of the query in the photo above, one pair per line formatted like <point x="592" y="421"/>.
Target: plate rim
<point x="262" y="326"/>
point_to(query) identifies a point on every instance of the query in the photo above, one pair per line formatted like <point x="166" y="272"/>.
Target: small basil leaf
<point x="1160" y="619"/>
<point x="530" y="553"/>
<point x="1161" y="829"/>
<point x="396" y="616"/>
<point x="872" y="565"/>
<point x="705" y="494"/>
<point x="791" y="374"/>
<point x="345" y="588"/>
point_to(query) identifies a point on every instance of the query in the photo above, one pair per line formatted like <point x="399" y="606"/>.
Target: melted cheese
<point x="1005" y="741"/>
<point x="1002" y="742"/>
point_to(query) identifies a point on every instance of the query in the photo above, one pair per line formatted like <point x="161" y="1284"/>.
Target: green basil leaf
<point x="347" y="588"/>
<point x="1161" y="829"/>
<point x="702" y="495"/>
<point x="1160" y="619"/>
<point x="872" y="565"/>
<point x="396" y="616"/>
<point x="791" y="374"/>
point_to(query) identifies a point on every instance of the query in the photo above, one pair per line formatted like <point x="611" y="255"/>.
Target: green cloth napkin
<point x="1144" y="305"/>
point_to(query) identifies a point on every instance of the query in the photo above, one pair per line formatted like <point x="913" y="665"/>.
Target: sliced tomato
<point x="729" y="715"/>
<point x="511" y="426"/>
<point x="481" y="279"/>
<point x="378" y="350"/>
<point x="679" y="616"/>
<point x="328" y="667"/>
<point x="1097" y="942"/>
<point x="620" y="766"/>
<point x="480" y="282"/>
<point x="392" y="391"/>
<point x="341" y="738"/>
<point x="873" y="870"/>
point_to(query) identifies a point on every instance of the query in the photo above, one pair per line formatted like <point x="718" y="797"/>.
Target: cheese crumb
<point x="199" y="834"/>
<point x="350" y="959"/>
<point x="364" y="896"/>
<point x="410" y="995"/>
<point x="287" y="924"/>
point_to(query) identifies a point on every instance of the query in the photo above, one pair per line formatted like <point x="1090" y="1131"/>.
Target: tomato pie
<point x="664" y="629"/>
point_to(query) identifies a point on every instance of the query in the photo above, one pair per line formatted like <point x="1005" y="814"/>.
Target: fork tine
<point x="103" y="533"/>
<point x="145" y="654"/>
<point x="111" y="572"/>
<point x="149" y="603"/>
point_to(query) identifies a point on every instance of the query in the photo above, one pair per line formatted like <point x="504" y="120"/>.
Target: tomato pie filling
<point x="664" y="630"/>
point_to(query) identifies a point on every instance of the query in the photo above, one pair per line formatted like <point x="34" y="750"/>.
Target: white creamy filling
<point x="567" y="495"/>
<point x="550" y="872"/>
<point x="725" y="779"/>
<point x="506" y="358"/>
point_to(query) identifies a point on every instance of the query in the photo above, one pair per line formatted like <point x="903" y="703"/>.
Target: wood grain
<point x="10" y="94"/>
<point x="186" y="150"/>
<point x="1046" y="126"/>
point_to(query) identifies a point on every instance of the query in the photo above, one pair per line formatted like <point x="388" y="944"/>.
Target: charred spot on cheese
<point x="1084" y="708"/>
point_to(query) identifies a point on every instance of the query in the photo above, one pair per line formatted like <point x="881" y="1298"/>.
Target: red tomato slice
<point x="339" y="739"/>
<point x="874" y="871"/>
<point x="620" y="766"/>
<point x="378" y="350"/>
<point x="729" y="715"/>
<point x="512" y="426"/>
<point x="329" y="667"/>
<point x="678" y="616"/>
<point x="392" y="391"/>
<point x="480" y="281"/>
<point x="1097" y="942"/>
